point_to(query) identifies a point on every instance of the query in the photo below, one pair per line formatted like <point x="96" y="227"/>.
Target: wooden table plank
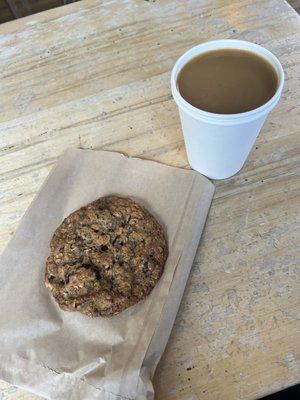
<point x="96" y="75"/>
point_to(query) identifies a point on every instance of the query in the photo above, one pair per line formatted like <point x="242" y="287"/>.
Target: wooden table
<point x="95" y="74"/>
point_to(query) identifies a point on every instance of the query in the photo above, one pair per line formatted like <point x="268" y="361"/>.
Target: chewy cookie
<point x="105" y="257"/>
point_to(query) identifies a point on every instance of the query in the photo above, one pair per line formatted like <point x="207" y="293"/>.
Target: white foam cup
<point x="218" y="144"/>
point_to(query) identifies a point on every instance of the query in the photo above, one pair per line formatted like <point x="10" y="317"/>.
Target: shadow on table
<point x="286" y="394"/>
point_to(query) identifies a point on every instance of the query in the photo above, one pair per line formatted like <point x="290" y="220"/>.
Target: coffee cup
<point x="218" y="144"/>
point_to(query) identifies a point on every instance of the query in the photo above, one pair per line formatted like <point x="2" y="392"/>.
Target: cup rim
<point x="219" y="44"/>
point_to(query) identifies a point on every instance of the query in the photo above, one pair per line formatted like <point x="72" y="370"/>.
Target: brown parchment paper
<point x="65" y="355"/>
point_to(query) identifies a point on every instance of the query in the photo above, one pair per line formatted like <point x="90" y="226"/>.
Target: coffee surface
<point x="227" y="81"/>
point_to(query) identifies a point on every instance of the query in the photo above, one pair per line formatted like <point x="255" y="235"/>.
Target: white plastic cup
<point x="218" y="144"/>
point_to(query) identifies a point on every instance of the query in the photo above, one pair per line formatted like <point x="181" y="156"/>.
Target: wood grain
<point x="95" y="74"/>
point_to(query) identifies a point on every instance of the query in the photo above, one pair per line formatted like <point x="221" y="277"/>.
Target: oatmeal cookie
<point x="105" y="257"/>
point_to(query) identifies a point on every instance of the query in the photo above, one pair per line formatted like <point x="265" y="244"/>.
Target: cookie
<point x="105" y="257"/>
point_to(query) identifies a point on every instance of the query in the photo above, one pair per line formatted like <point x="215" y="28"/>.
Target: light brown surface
<point x="96" y="75"/>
